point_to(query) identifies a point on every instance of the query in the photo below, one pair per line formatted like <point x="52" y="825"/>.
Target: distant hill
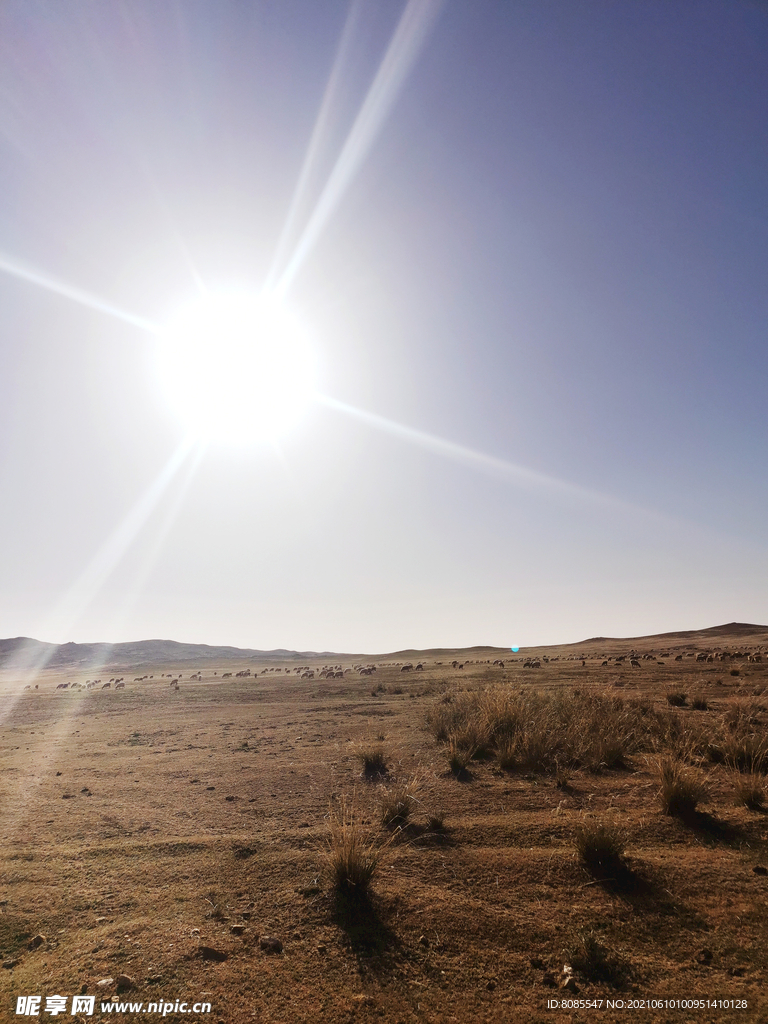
<point x="24" y="653"/>
<point x="728" y="631"/>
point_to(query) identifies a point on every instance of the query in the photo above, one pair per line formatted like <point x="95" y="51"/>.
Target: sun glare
<point x="236" y="367"/>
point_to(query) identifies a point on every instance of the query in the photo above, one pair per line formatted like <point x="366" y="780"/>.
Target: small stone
<point x="10" y="964"/>
<point x="237" y="929"/>
<point x="209" y="953"/>
<point x="58" y="773"/>
<point x="155" y="979"/>
<point x="549" y="979"/>
<point x="321" y="949"/>
<point x="229" y="799"/>
<point x="570" y="984"/>
<point x="195" y="931"/>
<point x="209" y="788"/>
<point x="38" y="940"/>
<point x="67" y="796"/>
<point x="104" y="982"/>
<point x="760" y="870"/>
<point x="124" y="982"/>
<point x="704" y="956"/>
<point x="100" y="920"/>
<point x="83" y="989"/>
<point x="309" y="890"/>
<point x="537" y="963"/>
<point x="246" y="915"/>
<point x="737" y="972"/>
<point x="270" y="944"/>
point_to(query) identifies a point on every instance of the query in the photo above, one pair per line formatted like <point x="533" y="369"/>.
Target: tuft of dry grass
<point x="459" y="755"/>
<point x="397" y="803"/>
<point x="750" y="790"/>
<point x="746" y="752"/>
<point x="436" y="822"/>
<point x="373" y="760"/>
<point x="353" y="854"/>
<point x="681" y="789"/>
<point x="700" y="703"/>
<point x="677" y="699"/>
<point x="592" y="959"/>
<point x="600" y="844"/>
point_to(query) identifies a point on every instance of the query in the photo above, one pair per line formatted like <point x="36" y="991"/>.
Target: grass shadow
<point x="367" y="933"/>
<point x="714" y="829"/>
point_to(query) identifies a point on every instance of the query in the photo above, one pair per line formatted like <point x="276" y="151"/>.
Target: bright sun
<point x="236" y="367"/>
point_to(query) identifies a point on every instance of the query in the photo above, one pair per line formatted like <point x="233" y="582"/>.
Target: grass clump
<point x="750" y="791"/>
<point x="677" y="699"/>
<point x="592" y="959"/>
<point x="353" y="855"/>
<point x="600" y="844"/>
<point x="373" y="760"/>
<point x="680" y="788"/>
<point x="746" y="752"/>
<point x="436" y="823"/>
<point x="397" y="804"/>
<point x="700" y="703"/>
<point x="459" y="754"/>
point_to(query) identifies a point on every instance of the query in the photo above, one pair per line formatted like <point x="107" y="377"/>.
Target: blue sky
<point x="537" y="232"/>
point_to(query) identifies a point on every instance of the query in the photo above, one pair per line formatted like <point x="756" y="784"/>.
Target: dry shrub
<point x="600" y="844"/>
<point x="750" y="790"/>
<point x="681" y="789"/>
<point x="353" y="854"/>
<point x="700" y="703"/>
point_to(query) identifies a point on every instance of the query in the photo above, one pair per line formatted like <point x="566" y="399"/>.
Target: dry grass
<point x="592" y="959"/>
<point x="353" y="854"/>
<point x="681" y="789"/>
<point x="397" y="803"/>
<point x="677" y="699"/>
<point x="750" y="790"/>
<point x="600" y="845"/>
<point x="531" y="731"/>
<point x="373" y="760"/>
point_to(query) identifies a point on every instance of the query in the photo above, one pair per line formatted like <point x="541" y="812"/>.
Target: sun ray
<point x="410" y="35"/>
<point x="151" y="555"/>
<point x="23" y="272"/>
<point x="319" y="132"/>
<point x="520" y="475"/>
<point x="91" y="580"/>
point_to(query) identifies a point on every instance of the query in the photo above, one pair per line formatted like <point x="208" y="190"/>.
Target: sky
<point x="524" y="245"/>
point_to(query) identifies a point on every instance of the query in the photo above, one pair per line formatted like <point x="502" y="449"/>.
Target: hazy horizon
<point x="525" y="245"/>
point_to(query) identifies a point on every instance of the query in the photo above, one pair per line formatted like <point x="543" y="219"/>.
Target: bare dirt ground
<point x="147" y="829"/>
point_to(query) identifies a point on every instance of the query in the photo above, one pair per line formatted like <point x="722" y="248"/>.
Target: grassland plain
<point x="146" y="829"/>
